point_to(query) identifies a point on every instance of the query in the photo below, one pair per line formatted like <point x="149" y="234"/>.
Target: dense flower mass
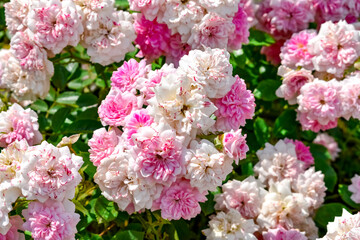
<point x="164" y="165"/>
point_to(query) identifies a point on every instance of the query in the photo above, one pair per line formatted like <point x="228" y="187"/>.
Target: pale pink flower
<point x="302" y="152"/>
<point x="244" y="196"/>
<point x="329" y="10"/>
<point x="235" y="107"/>
<point x="16" y="12"/>
<point x="346" y="227"/>
<point x="307" y="123"/>
<point x="5" y="54"/>
<point x="50" y="173"/>
<point x="13" y="234"/>
<point x="211" y="69"/>
<point x="335" y="48"/>
<point x="17" y="123"/>
<point x="135" y="121"/>
<point x="328" y="142"/>
<point x="55" y="24"/>
<point x="152" y="38"/>
<point x="281" y="233"/>
<point x="283" y="207"/>
<point x="320" y="101"/>
<point x="103" y="143"/>
<point x="159" y="153"/>
<point x="213" y="31"/>
<point x="277" y="163"/>
<point x="272" y="52"/>
<point x="51" y="220"/>
<point x="30" y="55"/>
<point x="11" y="159"/>
<point x="350" y="97"/>
<point x="180" y="17"/>
<point x="230" y="225"/>
<point x="234" y="145"/>
<point x="241" y="33"/>
<point x="26" y="84"/>
<point x="150" y="8"/>
<point x="128" y="77"/>
<point x="8" y="195"/>
<point x="292" y="82"/>
<point x="295" y="53"/>
<point x="225" y="8"/>
<point x="116" y="106"/>
<point x="180" y="200"/>
<point x="206" y="167"/>
<point x="355" y="188"/>
<point x="312" y="186"/>
<point x="111" y="39"/>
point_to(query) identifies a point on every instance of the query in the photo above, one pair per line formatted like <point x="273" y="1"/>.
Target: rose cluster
<point x="315" y="70"/>
<point x="173" y="133"/>
<point x="44" y="28"/>
<point x="171" y="28"/>
<point x="279" y="204"/>
<point x="43" y="173"/>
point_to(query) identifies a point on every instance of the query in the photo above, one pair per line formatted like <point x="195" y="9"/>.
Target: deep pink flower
<point x="137" y="119"/>
<point x="295" y="52"/>
<point x="180" y="200"/>
<point x="116" y="106"/>
<point x="51" y="220"/>
<point x="103" y="143"/>
<point x="233" y="109"/>
<point x="329" y="10"/>
<point x="234" y="145"/>
<point x="127" y="77"/>
<point x="153" y="38"/>
<point x="241" y="33"/>
<point x="177" y="49"/>
<point x="302" y="152"/>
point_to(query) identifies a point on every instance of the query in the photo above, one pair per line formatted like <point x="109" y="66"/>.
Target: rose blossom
<point x="55" y="24"/>
<point x="292" y="82"/>
<point x="244" y="196"/>
<point x="17" y="123"/>
<point x="272" y="52"/>
<point x="102" y="144"/>
<point x="180" y="200"/>
<point x="307" y="123"/>
<point x="16" y="12"/>
<point x="241" y="33"/>
<point x="328" y="142"/>
<point x="8" y="195"/>
<point x="325" y="10"/>
<point x="116" y="106"/>
<point x="295" y="53"/>
<point x="355" y="188"/>
<point x="234" y="145"/>
<point x="150" y="8"/>
<point x="51" y="220"/>
<point x="213" y="31"/>
<point x="235" y="107"/>
<point x="230" y="225"/>
<point x="135" y="121"/>
<point x="128" y="77"/>
<point x="16" y="224"/>
<point x="50" y="173"/>
<point x="350" y="96"/>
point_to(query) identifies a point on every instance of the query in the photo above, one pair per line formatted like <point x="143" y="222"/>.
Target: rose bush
<point x="166" y="119"/>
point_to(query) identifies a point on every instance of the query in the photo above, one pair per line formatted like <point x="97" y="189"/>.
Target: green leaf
<point x="84" y="126"/>
<point x="260" y="38"/>
<point x="327" y="213"/>
<point x="59" y="117"/>
<point x="51" y="95"/>
<point x="345" y="195"/>
<point x="284" y="124"/>
<point x="182" y="229"/>
<point x="105" y="209"/>
<point x="90" y="169"/>
<point x="60" y="76"/>
<point x="128" y="235"/>
<point x="68" y="98"/>
<point x="123" y="4"/>
<point x="87" y="99"/>
<point x="261" y="131"/>
<point x="266" y="90"/>
<point x="39" y="105"/>
<point x="208" y="207"/>
<point x="322" y="156"/>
